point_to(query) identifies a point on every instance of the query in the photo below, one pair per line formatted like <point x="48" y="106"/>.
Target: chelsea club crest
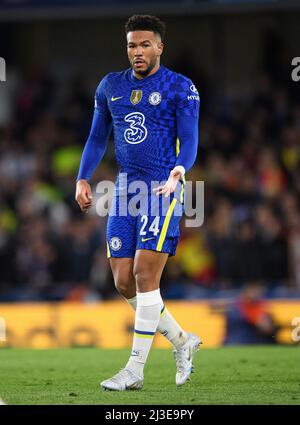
<point x="115" y="243"/>
<point x="155" y="98"/>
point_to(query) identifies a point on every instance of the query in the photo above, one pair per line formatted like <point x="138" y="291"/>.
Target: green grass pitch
<point x="231" y="375"/>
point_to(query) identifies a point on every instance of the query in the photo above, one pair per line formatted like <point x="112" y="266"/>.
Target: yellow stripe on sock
<point x="164" y="229"/>
<point x="143" y="336"/>
<point x="163" y="312"/>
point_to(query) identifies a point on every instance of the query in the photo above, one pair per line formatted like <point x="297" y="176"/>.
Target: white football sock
<point x="167" y="326"/>
<point x="147" y="316"/>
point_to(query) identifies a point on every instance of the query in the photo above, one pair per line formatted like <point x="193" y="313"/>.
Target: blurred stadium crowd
<point x="249" y="159"/>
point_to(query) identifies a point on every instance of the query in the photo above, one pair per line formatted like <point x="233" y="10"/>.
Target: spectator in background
<point x="247" y="318"/>
<point x="220" y="227"/>
<point x="195" y="258"/>
<point x="271" y="178"/>
<point x="246" y="259"/>
<point x="273" y="246"/>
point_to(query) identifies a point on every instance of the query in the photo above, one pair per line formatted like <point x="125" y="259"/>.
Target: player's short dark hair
<point x="145" y="23"/>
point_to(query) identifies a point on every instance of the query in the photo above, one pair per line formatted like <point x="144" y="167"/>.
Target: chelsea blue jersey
<point x="144" y="115"/>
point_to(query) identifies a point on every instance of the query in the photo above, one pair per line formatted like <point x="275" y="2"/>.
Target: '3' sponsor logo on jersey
<point x="137" y="132"/>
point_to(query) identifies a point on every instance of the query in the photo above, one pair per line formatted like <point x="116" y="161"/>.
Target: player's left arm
<point x="187" y="117"/>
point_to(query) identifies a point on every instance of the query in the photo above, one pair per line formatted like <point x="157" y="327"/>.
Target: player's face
<point x="144" y="49"/>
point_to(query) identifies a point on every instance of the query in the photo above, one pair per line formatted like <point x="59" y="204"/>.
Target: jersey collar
<point x="143" y="80"/>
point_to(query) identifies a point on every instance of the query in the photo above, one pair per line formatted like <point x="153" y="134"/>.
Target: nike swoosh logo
<point x="113" y="99"/>
<point x="147" y="239"/>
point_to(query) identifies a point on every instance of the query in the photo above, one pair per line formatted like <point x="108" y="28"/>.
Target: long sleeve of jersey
<point x="187" y="133"/>
<point x="96" y="143"/>
<point x="187" y="116"/>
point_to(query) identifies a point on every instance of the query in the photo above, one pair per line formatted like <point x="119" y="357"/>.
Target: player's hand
<point x="83" y="195"/>
<point x="170" y="186"/>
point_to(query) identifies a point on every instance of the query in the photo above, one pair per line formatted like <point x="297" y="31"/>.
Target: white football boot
<point x="184" y="358"/>
<point x="124" y="380"/>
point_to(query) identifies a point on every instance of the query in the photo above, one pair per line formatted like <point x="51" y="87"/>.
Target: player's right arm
<point x="94" y="148"/>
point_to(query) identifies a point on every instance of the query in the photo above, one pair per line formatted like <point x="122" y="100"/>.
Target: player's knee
<point x="124" y="286"/>
<point x="144" y="278"/>
<point x="121" y="286"/>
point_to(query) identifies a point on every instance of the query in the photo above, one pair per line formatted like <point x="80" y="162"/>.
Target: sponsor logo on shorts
<point x="147" y="239"/>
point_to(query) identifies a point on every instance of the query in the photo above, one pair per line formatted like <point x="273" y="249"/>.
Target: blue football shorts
<point x="146" y="221"/>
